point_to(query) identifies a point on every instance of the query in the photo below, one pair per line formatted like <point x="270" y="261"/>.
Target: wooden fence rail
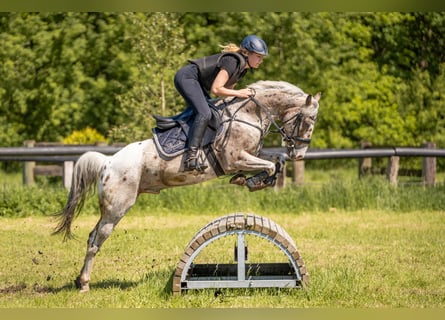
<point x="66" y="155"/>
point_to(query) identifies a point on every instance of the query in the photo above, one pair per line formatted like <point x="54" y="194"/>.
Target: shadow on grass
<point x="104" y="284"/>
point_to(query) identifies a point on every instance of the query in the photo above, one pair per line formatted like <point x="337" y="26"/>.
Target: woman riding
<point x="217" y="75"/>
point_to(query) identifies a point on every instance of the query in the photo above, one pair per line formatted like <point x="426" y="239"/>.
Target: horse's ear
<point x="317" y="96"/>
<point x="308" y="100"/>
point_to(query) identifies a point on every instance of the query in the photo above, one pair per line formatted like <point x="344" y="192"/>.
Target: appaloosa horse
<point x="141" y="168"/>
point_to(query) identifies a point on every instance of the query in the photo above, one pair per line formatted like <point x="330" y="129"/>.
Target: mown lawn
<point x="356" y="259"/>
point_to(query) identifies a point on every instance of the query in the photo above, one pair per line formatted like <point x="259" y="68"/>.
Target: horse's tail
<point x="86" y="173"/>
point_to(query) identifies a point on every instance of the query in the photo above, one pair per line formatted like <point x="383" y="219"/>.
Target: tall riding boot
<point x="191" y="159"/>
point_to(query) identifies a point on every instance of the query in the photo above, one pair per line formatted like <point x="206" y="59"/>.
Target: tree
<point x="381" y="74"/>
<point x="61" y="72"/>
<point x="160" y="50"/>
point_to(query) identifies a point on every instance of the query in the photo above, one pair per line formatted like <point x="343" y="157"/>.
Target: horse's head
<point x="298" y="125"/>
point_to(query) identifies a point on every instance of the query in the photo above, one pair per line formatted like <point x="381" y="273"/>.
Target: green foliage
<point x="84" y="136"/>
<point x="62" y="72"/>
<point x="159" y="49"/>
<point x="381" y="74"/>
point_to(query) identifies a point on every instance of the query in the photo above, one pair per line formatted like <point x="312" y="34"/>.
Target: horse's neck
<point x="263" y="106"/>
<point x="273" y="106"/>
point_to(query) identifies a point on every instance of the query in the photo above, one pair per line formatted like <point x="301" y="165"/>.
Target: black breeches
<point x="187" y="83"/>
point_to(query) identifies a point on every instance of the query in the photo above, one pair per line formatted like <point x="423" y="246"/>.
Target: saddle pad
<point x="171" y="142"/>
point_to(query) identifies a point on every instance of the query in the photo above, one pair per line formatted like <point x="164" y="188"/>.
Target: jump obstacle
<point x="291" y="274"/>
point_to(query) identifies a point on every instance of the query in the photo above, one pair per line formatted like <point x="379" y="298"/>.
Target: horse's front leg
<point x="266" y="178"/>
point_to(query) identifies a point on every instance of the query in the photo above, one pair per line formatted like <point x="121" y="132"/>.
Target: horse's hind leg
<point x="111" y="214"/>
<point x="98" y="235"/>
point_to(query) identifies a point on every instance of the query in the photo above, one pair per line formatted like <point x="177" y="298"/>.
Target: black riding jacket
<point x="209" y="67"/>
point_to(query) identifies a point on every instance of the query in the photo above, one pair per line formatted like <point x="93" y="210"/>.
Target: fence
<point x="428" y="152"/>
<point x="65" y="156"/>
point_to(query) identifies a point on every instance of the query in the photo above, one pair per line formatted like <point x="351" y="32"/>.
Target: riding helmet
<point x="255" y="44"/>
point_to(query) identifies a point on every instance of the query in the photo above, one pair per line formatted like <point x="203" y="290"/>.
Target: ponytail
<point x="231" y="47"/>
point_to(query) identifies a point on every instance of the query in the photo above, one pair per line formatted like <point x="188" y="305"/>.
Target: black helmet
<point x="255" y="44"/>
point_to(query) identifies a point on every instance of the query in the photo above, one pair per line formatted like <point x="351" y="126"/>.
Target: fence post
<point x="67" y="175"/>
<point x="364" y="164"/>
<point x="392" y="170"/>
<point x="28" y="166"/>
<point x="281" y="179"/>
<point x="298" y="172"/>
<point x="429" y="166"/>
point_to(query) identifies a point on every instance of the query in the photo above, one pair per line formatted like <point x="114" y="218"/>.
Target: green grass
<point x="323" y="191"/>
<point x="361" y="259"/>
<point x="365" y="243"/>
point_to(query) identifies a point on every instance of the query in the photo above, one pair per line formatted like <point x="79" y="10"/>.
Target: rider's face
<point x="255" y="59"/>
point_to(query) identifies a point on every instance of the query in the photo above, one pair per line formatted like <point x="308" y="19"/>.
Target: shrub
<point x="85" y="136"/>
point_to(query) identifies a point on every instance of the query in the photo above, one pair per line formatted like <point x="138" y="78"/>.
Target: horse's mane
<point x="280" y="86"/>
<point x="285" y="89"/>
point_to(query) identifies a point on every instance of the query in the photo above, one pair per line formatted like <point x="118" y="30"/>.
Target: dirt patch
<point x="14" y="288"/>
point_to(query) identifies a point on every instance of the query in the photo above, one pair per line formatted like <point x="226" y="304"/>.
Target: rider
<point x="218" y="75"/>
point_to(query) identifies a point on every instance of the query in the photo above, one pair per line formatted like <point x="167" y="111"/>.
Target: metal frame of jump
<point x="189" y="275"/>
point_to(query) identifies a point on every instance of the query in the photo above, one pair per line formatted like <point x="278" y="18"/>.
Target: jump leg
<point x="247" y="162"/>
<point x="261" y="180"/>
<point x="111" y="214"/>
<point x="97" y="237"/>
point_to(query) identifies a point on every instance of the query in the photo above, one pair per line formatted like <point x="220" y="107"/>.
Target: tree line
<point x="382" y="75"/>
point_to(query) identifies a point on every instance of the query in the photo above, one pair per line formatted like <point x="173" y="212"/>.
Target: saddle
<point x="171" y="133"/>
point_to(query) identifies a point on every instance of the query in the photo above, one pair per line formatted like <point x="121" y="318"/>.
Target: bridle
<point x="291" y="140"/>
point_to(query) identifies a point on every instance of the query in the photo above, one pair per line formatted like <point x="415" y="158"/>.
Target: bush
<point x="85" y="136"/>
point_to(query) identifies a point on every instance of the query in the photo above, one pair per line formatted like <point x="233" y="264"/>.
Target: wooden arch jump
<point x="240" y="275"/>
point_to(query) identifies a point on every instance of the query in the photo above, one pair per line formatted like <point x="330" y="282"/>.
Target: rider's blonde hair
<point x="231" y="47"/>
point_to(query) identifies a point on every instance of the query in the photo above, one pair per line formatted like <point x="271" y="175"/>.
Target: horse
<point x="140" y="167"/>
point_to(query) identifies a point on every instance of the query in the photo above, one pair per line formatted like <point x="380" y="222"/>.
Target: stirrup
<point x="193" y="163"/>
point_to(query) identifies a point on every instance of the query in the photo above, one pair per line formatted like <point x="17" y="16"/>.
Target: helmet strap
<point x="250" y="67"/>
<point x="247" y="61"/>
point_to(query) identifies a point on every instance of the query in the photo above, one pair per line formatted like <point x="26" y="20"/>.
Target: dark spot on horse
<point x="124" y="179"/>
<point x="105" y="167"/>
<point x="107" y="178"/>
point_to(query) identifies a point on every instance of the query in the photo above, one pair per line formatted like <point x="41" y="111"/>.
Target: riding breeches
<point x="187" y="83"/>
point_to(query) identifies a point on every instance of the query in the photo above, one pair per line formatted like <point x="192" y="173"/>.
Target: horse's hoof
<point x="83" y="287"/>
<point x="239" y="179"/>
<point x="256" y="187"/>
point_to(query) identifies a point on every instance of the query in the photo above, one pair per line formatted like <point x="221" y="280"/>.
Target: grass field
<point x="356" y="259"/>
<point x="365" y="244"/>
